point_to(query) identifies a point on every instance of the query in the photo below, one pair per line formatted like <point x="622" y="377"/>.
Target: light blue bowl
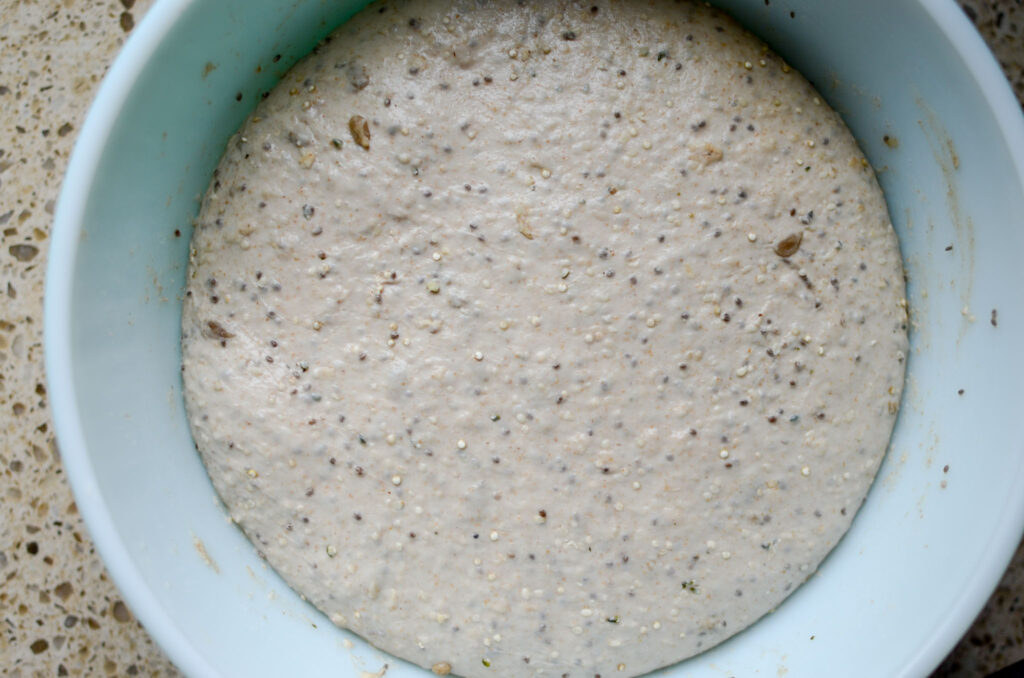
<point x="893" y="597"/>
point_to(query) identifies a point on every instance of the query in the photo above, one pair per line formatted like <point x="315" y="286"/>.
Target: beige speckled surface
<point x="61" y="615"/>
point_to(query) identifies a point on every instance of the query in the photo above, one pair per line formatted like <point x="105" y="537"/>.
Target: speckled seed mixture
<point x="549" y="338"/>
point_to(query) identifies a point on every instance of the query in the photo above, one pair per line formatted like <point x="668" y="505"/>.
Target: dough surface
<point x="543" y="338"/>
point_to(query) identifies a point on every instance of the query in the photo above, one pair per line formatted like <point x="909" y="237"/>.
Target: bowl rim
<point x="112" y="94"/>
<point x="110" y="97"/>
<point x="1000" y="99"/>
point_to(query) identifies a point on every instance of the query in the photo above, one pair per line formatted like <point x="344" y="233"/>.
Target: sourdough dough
<point x="543" y="338"/>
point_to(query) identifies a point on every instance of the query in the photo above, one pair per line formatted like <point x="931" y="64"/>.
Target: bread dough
<point x="543" y="338"/>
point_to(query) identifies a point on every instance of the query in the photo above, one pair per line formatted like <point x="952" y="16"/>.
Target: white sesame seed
<point x="317" y="325"/>
<point x="504" y="324"/>
<point x="586" y="612"/>
<point x="461" y="444"/>
<point x="331" y="551"/>
<point x="433" y="286"/>
<point x="478" y="356"/>
<point x="726" y="555"/>
<point x="805" y="471"/>
<point x="546" y="173"/>
<point x="747" y="65"/>
<point x="396" y="480"/>
<point x="637" y="485"/>
<point x="391" y="439"/>
<point x="513" y="53"/>
<point x="724" y="454"/>
<point x="494" y="535"/>
<point x="752" y="237"/>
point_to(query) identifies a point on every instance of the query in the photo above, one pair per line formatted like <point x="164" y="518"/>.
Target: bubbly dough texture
<point x="543" y="338"/>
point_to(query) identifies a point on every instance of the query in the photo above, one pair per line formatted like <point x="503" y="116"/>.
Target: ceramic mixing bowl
<point x="933" y="114"/>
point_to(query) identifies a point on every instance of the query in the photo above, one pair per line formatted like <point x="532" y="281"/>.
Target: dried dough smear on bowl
<point x="925" y="549"/>
<point x="543" y="339"/>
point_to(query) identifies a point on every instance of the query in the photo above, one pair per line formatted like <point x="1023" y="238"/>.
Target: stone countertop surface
<point x="61" y="614"/>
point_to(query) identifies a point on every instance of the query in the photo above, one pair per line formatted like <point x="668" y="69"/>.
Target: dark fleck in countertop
<point x="61" y="614"/>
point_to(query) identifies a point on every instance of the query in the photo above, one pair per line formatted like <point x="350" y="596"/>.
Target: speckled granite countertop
<point x="61" y="615"/>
